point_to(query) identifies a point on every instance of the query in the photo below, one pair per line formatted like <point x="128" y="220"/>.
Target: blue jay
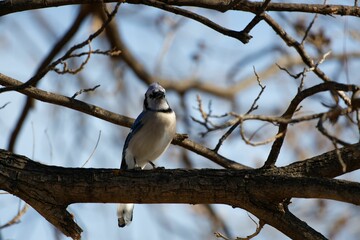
<point x="149" y="137"/>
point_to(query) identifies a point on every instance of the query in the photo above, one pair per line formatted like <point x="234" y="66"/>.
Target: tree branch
<point x="10" y="6"/>
<point x="327" y="164"/>
<point x="256" y="191"/>
<point x="300" y="96"/>
<point x="29" y="104"/>
<point x="68" y="102"/>
<point x="116" y="41"/>
<point x="121" y="120"/>
<point x="242" y="36"/>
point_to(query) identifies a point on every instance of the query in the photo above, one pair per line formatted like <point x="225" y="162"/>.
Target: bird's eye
<point x="157" y="94"/>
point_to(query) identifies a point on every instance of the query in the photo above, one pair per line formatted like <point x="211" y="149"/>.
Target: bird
<point x="149" y="137"/>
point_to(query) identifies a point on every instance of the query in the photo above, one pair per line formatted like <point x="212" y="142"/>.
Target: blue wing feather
<point x="134" y="128"/>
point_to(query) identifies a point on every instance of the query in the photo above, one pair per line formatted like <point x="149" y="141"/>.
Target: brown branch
<point x="242" y="36"/>
<point x="37" y="77"/>
<point x="324" y="9"/>
<point x="323" y="130"/>
<point x="256" y="19"/>
<point x="55" y="50"/>
<point x="253" y="107"/>
<point x="326" y="165"/>
<point x="68" y="102"/>
<point x="116" y="41"/>
<point x="84" y="90"/>
<point x="8" y="6"/>
<point x="286" y="222"/>
<point x="300" y="96"/>
<point x="65" y="69"/>
<point x="291" y="42"/>
<point x="254" y="190"/>
<point x="116" y="119"/>
<point x="207" y="153"/>
<point x="17" y="218"/>
<point x="239" y="118"/>
<point x="283" y="121"/>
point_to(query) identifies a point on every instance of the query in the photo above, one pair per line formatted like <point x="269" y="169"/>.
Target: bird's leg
<point x="136" y="166"/>
<point x="154" y="166"/>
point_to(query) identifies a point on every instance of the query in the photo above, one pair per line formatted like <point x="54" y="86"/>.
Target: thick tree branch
<point x="327" y="164"/>
<point x="256" y="191"/>
<point x="283" y="220"/>
<point x="263" y="192"/>
<point x="10" y="6"/>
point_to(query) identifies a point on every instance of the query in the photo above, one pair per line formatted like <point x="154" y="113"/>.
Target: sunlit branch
<point x="121" y="120"/>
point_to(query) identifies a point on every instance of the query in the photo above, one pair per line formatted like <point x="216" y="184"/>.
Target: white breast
<point x="152" y="139"/>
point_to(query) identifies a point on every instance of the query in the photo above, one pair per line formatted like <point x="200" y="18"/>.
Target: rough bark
<point x="50" y="189"/>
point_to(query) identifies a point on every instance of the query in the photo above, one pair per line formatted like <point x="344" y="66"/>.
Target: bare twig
<point x="51" y="66"/>
<point x="76" y="70"/>
<point x="249" y="142"/>
<point x="3" y="106"/>
<point x="17" y="218"/>
<point x="304" y="55"/>
<point x="226" y="135"/>
<point x="323" y="130"/>
<point x="240" y="119"/>
<point x="308" y="29"/>
<point x="206" y="122"/>
<point x="237" y="123"/>
<point x="220" y="235"/>
<point x="276" y="120"/>
<point x="301" y="74"/>
<point x="338" y="154"/>
<point x="111" y="53"/>
<point x="327" y="86"/>
<point x="168" y="41"/>
<point x="259" y="226"/>
<point x="262" y="88"/>
<point x="93" y="151"/>
<point x="85" y="90"/>
<point x="50" y="145"/>
<point x="47" y="60"/>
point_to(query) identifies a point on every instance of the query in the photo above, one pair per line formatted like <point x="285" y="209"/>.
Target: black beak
<point x="158" y="94"/>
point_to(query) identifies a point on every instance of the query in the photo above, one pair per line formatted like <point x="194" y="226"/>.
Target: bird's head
<point x="155" y="99"/>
